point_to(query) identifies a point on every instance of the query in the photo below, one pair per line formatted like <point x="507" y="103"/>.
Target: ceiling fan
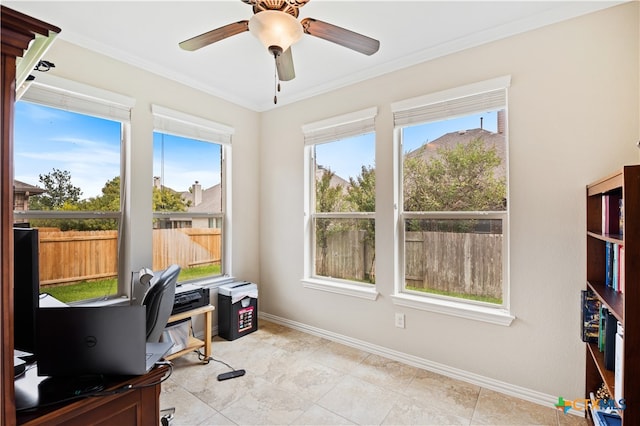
<point x="276" y="25"/>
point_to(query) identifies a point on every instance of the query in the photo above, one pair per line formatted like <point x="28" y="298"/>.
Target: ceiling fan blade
<point x="213" y="36"/>
<point x="343" y="37"/>
<point x="284" y="65"/>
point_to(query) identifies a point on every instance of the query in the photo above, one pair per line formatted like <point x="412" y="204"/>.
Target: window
<point x="453" y="197"/>
<point x="340" y="199"/>
<point x="190" y="194"/>
<point x="67" y="156"/>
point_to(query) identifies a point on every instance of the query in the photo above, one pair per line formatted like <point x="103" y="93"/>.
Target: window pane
<point x="187" y="189"/>
<point x="345" y="175"/>
<point x="345" y="183"/>
<point x="456" y="165"/>
<point x="345" y="249"/>
<point x="69" y="162"/>
<point x="455" y="257"/>
<point x="94" y="275"/>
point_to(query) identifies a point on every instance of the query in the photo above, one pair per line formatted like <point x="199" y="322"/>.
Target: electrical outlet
<point x="400" y="320"/>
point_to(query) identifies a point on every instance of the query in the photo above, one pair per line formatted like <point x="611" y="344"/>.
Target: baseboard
<point x="435" y="367"/>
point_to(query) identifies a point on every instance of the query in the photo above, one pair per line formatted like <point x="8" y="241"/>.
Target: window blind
<point x="474" y="98"/>
<point x="340" y="127"/>
<point x="72" y="96"/>
<point x="185" y="125"/>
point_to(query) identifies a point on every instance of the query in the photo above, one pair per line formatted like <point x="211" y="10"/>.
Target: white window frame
<point x="324" y="131"/>
<point x="177" y="123"/>
<point x="68" y="95"/>
<point x="446" y="104"/>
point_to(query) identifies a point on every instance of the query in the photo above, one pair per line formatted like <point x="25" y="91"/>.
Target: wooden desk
<point x="137" y="406"/>
<point x="195" y="343"/>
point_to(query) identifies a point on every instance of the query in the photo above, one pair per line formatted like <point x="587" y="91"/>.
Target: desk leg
<point x="207" y="335"/>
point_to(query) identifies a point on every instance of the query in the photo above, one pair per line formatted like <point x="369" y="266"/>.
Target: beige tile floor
<point x="294" y="378"/>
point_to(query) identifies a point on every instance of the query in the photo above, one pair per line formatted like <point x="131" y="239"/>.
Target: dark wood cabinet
<point x="616" y="223"/>
<point x="18" y="31"/>
<point x="136" y="406"/>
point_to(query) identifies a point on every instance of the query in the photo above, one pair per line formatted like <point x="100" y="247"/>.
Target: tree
<point x="362" y="190"/>
<point x="167" y="200"/>
<point x="58" y="191"/>
<point x="461" y="178"/>
<point x="328" y="199"/>
<point x="361" y="194"/>
<point x="109" y="201"/>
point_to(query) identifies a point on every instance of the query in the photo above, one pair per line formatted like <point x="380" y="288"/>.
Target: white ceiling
<point x="146" y="34"/>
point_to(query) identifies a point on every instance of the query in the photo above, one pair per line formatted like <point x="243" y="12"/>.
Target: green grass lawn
<point x="95" y="289"/>
<point x="479" y="298"/>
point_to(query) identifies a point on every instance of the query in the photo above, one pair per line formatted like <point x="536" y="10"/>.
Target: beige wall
<point x="574" y="116"/>
<point x="75" y="63"/>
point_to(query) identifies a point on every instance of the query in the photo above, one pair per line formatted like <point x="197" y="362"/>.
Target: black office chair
<point x="159" y="302"/>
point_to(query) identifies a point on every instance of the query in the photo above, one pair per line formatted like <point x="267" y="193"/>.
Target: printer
<point x="188" y="297"/>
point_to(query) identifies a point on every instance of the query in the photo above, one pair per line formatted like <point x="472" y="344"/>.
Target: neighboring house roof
<point x="451" y="140"/>
<point x="335" y="179"/>
<point x="22" y="187"/>
<point x="211" y="200"/>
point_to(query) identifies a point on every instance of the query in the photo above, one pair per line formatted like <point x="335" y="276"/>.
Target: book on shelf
<point x="617" y="386"/>
<point x="602" y="320"/>
<point x="621" y="266"/>
<point x="590" y="316"/>
<point x="603" y="415"/>
<point x="613" y="258"/>
<point x="615" y="271"/>
<point x="603" y="418"/>
<point x="608" y="270"/>
<point x="611" y="214"/>
<point x="610" y="329"/>
<point x="621" y="217"/>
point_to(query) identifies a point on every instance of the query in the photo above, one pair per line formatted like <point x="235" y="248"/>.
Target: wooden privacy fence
<point x="186" y="247"/>
<point x="469" y="263"/>
<point x="73" y="256"/>
<point x="346" y="256"/>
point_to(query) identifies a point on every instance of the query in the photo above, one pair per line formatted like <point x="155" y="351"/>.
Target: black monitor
<point x="26" y="288"/>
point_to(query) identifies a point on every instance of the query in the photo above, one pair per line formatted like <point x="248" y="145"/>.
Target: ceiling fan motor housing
<point x="287" y="6"/>
<point x="275" y="29"/>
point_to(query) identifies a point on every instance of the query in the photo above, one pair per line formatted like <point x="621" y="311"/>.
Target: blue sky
<point x="186" y="161"/>
<point x="341" y="156"/>
<point x="88" y="147"/>
<point x="47" y="138"/>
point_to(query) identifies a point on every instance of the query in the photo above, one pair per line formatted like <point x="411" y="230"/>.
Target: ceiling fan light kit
<point x="275" y="29"/>
<point x="275" y="24"/>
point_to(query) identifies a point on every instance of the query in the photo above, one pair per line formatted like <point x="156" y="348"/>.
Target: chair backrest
<point x="159" y="302"/>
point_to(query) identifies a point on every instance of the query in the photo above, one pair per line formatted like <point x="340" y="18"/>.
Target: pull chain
<point x="276" y="89"/>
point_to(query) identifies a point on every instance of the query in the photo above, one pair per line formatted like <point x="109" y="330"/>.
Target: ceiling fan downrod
<point x="276" y="82"/>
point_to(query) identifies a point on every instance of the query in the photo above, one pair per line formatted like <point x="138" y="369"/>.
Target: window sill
<point x="110" y="301"/>
<point x="211" y="282"/>
<point x="353" y="290"/>
<point x="497" y="316"/>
